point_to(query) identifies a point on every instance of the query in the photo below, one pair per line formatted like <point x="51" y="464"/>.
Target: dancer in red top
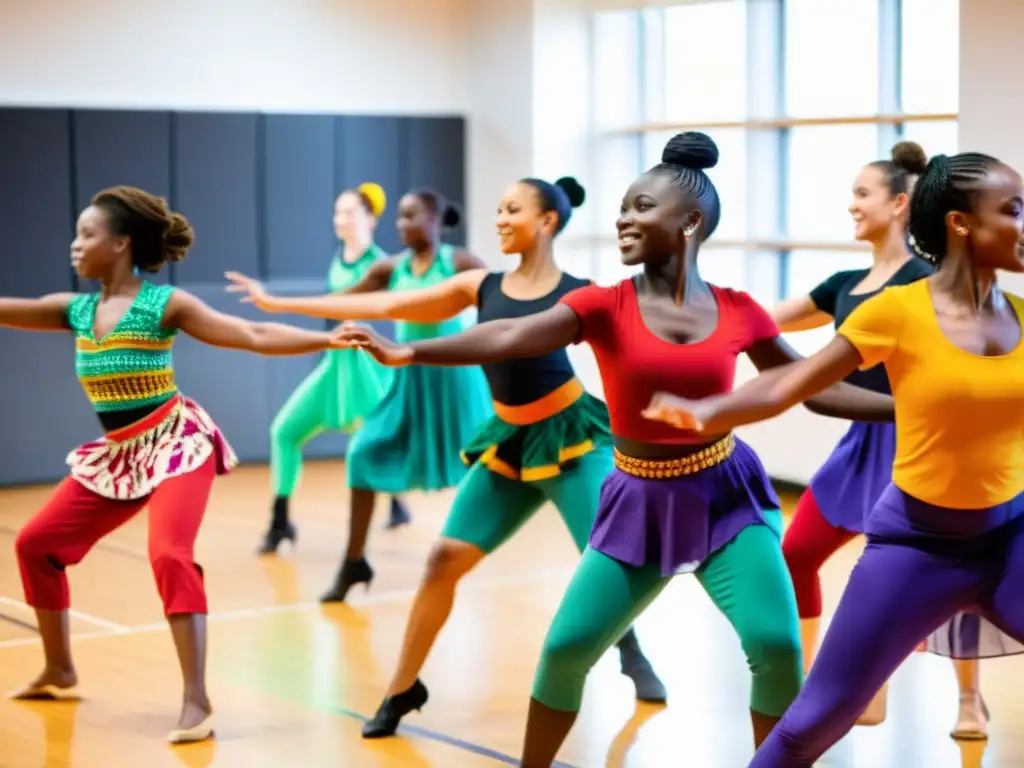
<point x="675" y="502"/>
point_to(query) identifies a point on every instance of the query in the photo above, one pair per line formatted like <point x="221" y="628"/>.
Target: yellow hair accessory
<point x="374" y="194"/>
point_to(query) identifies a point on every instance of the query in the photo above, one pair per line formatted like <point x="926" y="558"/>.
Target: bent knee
<point x="801" y="558"/>
<point x="32" y="542"/>
<point x="451" y="559"/>
<point x="163" y="558"/>
<point x="773" y="648"/>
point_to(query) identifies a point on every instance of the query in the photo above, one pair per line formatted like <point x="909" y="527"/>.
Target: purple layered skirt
<point x="677" y="523"/>
<point x="971" y="537"/>
<point x="852" y="478"/>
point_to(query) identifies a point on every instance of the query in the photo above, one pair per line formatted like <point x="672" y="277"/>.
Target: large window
<point x="930" y="62"/>
<point x="831" y="57"/>
<point x="935" y="138"/>
<point x="705" y="77"/>
<point x="823" y="163"/>
<point x="798" y="94"/>
<point x="616" y="66"/>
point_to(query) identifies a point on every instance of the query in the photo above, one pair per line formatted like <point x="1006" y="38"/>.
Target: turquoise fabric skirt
<point x="412" y="440"/>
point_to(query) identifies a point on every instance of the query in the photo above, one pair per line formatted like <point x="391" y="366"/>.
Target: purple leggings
<point x="922" y="564"/>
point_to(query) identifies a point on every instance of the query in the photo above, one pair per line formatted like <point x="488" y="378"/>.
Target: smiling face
<point x="521" y="220"/>
<point x="95" y="249"/>
<point x="875" y="209"/>
<point x="995" y="225"/>
<point x="654" y="219"/>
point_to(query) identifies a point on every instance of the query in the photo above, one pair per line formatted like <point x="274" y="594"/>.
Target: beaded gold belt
<point x="662" y="469"/>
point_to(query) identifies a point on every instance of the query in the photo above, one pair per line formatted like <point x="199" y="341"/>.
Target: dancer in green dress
<point x="412" y="440"/>
<point x="347" y="384"/>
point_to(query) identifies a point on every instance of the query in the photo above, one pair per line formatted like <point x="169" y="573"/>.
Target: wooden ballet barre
<point x="785" y="122"/>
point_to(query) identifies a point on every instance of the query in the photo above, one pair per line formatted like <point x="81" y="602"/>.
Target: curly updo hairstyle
<point x="158" y="235"/>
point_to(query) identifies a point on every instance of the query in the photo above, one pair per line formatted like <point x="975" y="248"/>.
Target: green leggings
<point x="748" y="581"/>
<point x="303" y="416"/>
<point x="489" y="508"/>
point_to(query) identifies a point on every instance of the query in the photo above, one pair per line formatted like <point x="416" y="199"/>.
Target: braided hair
<point x="947" y="184"/>
<point x="158" y="234"/>
<point x="683" y="160"/>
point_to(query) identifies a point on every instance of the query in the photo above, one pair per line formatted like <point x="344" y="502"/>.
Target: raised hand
<point x="254" y="291"/>
<point x="676" y="411"/>
<point x="384" y="351"/>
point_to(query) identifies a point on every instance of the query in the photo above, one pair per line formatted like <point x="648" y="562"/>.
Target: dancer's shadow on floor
<point x="624" y="739"/>
<point x="971" y="752"/>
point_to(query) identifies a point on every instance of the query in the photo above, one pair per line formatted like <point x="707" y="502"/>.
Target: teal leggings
<point x="489" y="508"/>
<point x="748" y="581"/>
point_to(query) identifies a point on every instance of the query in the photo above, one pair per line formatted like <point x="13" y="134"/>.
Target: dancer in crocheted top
<point x="160" y="448"/>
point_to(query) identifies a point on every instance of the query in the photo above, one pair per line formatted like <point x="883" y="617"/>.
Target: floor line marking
<point x="113" y="626"/>
<point x="381" y="598"/>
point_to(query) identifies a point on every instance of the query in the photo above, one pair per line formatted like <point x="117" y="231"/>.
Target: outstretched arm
<point x="490" y="342"/>
<point x="842" y="400"/>
<point x="799" y="314"/>
<point x="425" y="305"/>
<point x="203" y="323"/>
<point x="762" y="398"/>
<point x="46" y="313"/>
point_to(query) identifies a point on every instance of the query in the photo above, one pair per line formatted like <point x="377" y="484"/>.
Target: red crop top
<point x="634" y="363"/>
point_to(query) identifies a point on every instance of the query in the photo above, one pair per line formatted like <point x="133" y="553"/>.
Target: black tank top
<point x="833" y="297"/>
<point x="521" y="381"/>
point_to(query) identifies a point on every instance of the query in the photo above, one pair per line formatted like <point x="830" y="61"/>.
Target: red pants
<point x="810" y="540"/>
<point x="74" y="519"/>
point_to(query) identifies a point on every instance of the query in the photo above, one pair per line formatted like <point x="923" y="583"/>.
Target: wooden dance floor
<point x="292" y="682"/>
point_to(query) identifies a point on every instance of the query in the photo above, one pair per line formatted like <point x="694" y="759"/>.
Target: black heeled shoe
<point x="399" y="515"/>
<point x="352" y="572"/>
<point x="391" y="711"/>
<point x="275" y="535"/>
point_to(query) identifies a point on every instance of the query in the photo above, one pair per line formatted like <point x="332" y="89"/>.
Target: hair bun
<point x="451" y="216"/>
<point x="573" y="190"/>
<point x="178" y="237"/>
<point x="374" y="195"/>
<point x="910" y="157"/>
<point x="691" y="149"/>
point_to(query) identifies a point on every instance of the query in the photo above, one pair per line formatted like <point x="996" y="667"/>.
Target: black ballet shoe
<point x="637" y="668"/>
<point x="352" y="572"/>
<point x="391" y="711"/>
<point x="275" y="535"/>
<point x="399" y="515"/>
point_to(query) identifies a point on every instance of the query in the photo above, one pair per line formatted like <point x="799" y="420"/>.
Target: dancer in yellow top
<point x="947" y="535"/>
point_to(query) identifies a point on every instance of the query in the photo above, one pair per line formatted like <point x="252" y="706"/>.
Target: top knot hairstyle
<point x="560" y="197"/>
<point x="947" y="184"/>
<point x="373" y="197"/>
<point x="684" y="160"/>
<point x="908" y="162"/>
<point x="158" y="234"/>
<point x="437" y="204"/>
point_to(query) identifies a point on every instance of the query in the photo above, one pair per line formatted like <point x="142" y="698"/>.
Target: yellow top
<point x="959" y="416"/>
